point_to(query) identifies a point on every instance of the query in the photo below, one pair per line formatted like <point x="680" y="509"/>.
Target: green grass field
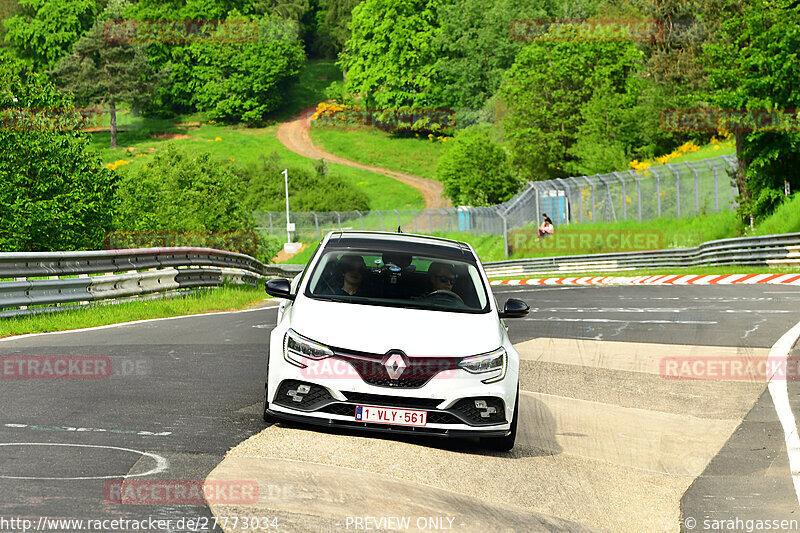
<point x="243" y="146"/>
<point x="225" y="298"/>
<point x="371" y="146"/>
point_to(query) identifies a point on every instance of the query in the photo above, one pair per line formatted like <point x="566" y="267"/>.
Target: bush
<point x="317" y="190"/>
<point x="55" y="193"/>
<point x="475" y="171"/>
<point x="178" y="192"/>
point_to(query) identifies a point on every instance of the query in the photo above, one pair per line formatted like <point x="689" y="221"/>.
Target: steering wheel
<point x="444" y="292"/>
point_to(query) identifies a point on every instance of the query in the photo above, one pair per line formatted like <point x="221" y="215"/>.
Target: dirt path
<point x="294" y="134"/>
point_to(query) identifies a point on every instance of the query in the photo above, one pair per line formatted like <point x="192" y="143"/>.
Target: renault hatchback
<point x="396" y="333"/>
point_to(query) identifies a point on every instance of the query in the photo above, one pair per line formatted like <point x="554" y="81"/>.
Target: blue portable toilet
<point x="463" y="218"/>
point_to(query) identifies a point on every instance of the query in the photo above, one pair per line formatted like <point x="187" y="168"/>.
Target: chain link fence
<point x="671" y="190"/>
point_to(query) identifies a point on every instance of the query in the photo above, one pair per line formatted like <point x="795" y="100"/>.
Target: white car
<point x="397" y="333"/>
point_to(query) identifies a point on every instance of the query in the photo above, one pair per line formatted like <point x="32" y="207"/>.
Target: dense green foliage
<point x="474" y="170"/>
<point x="45" y="30"/>
<point x="389" y="59"/>
<point x="177" y="192"/>
<point x="54" y="192"/>
<point x="308" y="191"/>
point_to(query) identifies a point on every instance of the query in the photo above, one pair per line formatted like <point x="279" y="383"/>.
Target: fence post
<point x="338" y="220"/>
<point x="316" y="224"/>
<point x="361" y="219"/>
<point x="658" y="190"/>
<point x="624" y="197"/>
<point x="398" y="219"/>
<point x="415" y="221"/>
<point x="677" y="189"/>
<point x="380" y="218"/>
<point x="270" y="223"/>
<point x="716" y="189"/>
<point x="505" y="234"/>
<point x="696" y="189"/>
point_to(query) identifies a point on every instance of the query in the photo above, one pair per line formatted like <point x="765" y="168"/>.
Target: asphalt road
<point x="188" y="389"/>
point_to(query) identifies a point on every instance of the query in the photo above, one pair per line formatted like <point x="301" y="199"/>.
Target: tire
<point x="504" y="444"/>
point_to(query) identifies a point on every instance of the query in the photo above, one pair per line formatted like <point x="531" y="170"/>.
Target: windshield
<point x="398" y="280"/>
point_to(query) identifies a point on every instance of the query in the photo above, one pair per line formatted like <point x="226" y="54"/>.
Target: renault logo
<point x="395" y="365"/>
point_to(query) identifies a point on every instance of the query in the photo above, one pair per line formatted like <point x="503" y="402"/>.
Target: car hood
<point x="377" y="329"/>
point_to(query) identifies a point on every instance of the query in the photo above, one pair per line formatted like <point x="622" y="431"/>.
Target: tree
<point x="333" y="21"/>
<point x="102" y="71"/>
<point x="45" y="30"/>
<point x="55" y="193"/>
<point x="389" y="59"/>
<point x="475" y="47"/>
<point x="546" y="89"/>
<point x="474" y="169"/>
<point x="245" y="81"/>
<point x="753" y="65"/>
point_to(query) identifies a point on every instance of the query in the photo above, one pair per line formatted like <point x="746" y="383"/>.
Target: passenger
<point x="442" y="277"/>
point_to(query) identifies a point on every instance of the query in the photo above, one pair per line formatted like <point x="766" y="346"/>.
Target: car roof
<point x="400" y="242"/>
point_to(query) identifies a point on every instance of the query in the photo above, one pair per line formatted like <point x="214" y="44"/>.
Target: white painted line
<point x="779" y="390"/>
<point x="161" y="463"/>
<point x="107" y="326"/>
<point x="614" y="321"/>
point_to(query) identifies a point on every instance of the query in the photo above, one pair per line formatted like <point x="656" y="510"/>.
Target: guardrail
<point x="39" y="282"/>
<point x="768" y="250"/>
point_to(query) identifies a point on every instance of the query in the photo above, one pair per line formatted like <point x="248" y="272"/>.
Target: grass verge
<point x="370" y="146"/>
<point x="225" y="298"/>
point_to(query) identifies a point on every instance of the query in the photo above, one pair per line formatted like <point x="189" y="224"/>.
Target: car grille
<point x="290" y="395"/>
<point x="474" y="415"/>
<point x="417" y="373"/>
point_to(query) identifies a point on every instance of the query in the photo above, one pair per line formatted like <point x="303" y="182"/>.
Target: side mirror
<point x="279" y="288"/>
<point x="515" y="309"/>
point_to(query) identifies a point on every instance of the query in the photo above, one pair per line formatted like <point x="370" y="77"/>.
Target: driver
<point x="442" y="277"/>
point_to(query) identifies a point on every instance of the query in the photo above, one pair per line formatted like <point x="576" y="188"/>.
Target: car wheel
<point x="504" y="444"/>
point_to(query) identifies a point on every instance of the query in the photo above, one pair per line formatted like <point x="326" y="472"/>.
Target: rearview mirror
<point x="279" y="288"/>
<point x="515" y="309"/>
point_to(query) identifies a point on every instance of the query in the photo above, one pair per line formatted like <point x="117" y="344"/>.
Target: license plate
<point x="399" y="417"/>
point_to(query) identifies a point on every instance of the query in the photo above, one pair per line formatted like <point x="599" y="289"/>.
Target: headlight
<point x="495" y="362"/>
<point x="296" y="348"/>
